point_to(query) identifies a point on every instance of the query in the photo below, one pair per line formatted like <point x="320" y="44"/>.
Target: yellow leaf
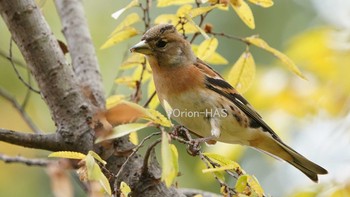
<point x="166" y="18"/>
<point x="244" y="12"/>
<point x="150" y="90"/>
<point x="125" y="189"/>
<point x="126" y="80"/>
<point x="201" y="10"/>
<point x="207" y="48"/>
<point x="137" y="74"/>
<point x="169" y="161"/>
<point x="114" y="100"/>
<point x="247" y="184"/>
<point x="262" y="3"/>
<point x="221" y="160"/>
<point x="135" y="59"/>
<point x="122" y="130"/>
<point x="221" y="168"/>
<point x="120" y="36"/>
<point x="167" y="108"/>
<point x="183" y="10"/>
<point x="241" y="184"/>
<point x="133" y="3"/>
<point x="242" y="73"/>
<point x="288" y="62"/>
<point x="215" y="58"/>
<point x="68" y="155"/>
<point x="95" y="174"/>
<point x="158" y="118"/>
<point x="174" y="20"/>
<point x="97" y="157"/>
<point x="254" y="185"/>
<point x="129" y="20"/>
<point x="133" y="138"/>
<point x="191" y="22"/>
<point x="164" y="3"/>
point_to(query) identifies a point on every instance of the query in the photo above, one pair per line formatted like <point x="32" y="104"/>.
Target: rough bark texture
<point x="81" y="49"/>
<point x="73" y="93"/>
<point x="55" y="77"/>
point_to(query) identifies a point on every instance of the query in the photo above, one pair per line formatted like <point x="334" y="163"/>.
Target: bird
<point x="205" y="103"/>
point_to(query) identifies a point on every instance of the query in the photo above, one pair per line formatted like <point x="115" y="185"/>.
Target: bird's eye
<point x="161" y="43"/>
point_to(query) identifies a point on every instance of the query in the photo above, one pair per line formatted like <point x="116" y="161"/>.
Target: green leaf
<point x="68" y="155"/>
<point x="288" y="62"/>
<point x="242" y="73"/>
<point x="170" y="164"/>
<point x="122" y="130"/>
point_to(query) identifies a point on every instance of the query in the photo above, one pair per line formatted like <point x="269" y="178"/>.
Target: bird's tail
<point x="278" y="149"/>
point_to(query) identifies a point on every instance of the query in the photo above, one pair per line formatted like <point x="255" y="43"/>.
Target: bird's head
<point x="164" y="46"/>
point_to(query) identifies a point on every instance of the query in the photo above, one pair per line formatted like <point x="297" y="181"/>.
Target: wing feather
<point x="217" y="84"/>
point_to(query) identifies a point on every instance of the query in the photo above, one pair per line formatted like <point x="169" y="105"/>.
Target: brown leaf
<point x="63" y="47"/>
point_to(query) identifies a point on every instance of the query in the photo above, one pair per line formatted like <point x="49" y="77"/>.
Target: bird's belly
<point x="194" y="111"/>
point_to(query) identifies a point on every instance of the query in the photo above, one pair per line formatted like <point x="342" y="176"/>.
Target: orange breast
<point x="177" y="80"/>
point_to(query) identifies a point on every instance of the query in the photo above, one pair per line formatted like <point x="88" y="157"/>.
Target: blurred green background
<point x="312" y="116"/>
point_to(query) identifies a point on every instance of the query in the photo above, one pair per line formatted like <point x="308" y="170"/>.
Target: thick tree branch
<point x="69" y="107"/>
<point x="81" y="49"/>
<point x="51" y="142"/>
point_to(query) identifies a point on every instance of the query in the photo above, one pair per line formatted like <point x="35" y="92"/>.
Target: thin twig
<point x="16" y="71"/>
<point x="147" y="155"/>
<point x="21" y="111"/>
<point x="15" y="61"/>
<point x="138" y="92"/>
<point x="134" y="152"/>
<point x="26" y="161"/>
<point x="149" y="99"/>
<point x="28" y="93"/>
<point x="228" y="36"/>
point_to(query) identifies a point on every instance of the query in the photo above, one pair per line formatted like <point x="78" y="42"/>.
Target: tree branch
<point x="21" y="111"/>
<point x="81" y="49"/>
<point x="26" y="161"/>
<point x="51" y="142"/>
<point x="60" y="89"/>
<point x="193" y="192"/>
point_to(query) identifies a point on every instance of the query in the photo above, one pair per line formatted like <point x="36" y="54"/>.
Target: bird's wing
<point x="217" y="84"/>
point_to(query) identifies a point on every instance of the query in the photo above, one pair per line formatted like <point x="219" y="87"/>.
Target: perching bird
<point x="205" y="103"/>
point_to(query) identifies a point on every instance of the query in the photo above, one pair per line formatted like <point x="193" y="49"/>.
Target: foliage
<point x="189" y="18"/>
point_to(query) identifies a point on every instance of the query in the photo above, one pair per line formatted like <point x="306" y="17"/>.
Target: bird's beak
<point x="141" y="47"/>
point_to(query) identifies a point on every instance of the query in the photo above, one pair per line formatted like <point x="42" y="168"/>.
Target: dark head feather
<point x="157" y="31"/>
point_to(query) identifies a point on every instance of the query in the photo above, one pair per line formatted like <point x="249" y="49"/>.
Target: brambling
<point x="205" y="103"/>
